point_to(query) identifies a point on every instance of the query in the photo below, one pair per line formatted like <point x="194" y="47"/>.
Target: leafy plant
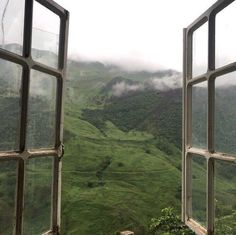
<point x="168" y="223"/>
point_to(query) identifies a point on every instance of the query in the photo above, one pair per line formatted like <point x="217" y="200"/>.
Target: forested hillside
<point x="120" y="166"/>
<point x="125" y="132"/>
<point x="122" y="162"/>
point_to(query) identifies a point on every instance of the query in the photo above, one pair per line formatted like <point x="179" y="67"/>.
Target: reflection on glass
<point x="225" y="197"/>
<point x="45" y="36"/>
<point x="199" y="115"/>
<point x="41" y="114"/>
<point x="225" y="113"/>
<point x="200" y="50"/>
<point x="10" y="83"/>
<point x="38" y="187"/>
<point x="199" y="189"/>
<point x="226" y="36"/>
<point x="12" y="24"/>
<point x="8" y="171"/>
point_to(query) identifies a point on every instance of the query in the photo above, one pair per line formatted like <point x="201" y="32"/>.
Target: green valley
<point x="123" y="152"/>
<point x="117" y="172"/>
<point x="122" y="162"/>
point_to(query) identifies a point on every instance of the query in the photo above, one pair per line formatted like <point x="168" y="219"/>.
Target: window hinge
<point x="61" y="151"/>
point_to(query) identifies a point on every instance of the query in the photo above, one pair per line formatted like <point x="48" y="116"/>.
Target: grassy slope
<point x="117" y="178"/>
<point x="132" y="185"/>
<point x="112" y="180"/>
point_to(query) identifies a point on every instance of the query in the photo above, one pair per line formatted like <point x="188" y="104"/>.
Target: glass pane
<point x="42" y="103"/>
<point x="200" y="50"/>
<point x="10" y="84"/>
<point x="199" y="115"/>
<point x="45" y="36"/>
<point x="199" y="189"/>
<point x="8" y="171"/>
<point x="225" y="197"/>
<point x="226" y="36"/>
<point x="225" y="113"/>
<point x="12" y="25"/>
<point x="38" y="187"/>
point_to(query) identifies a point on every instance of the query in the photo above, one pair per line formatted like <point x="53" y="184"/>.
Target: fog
<point x="122" y="87"/>
<point x="133" y="34"/>
<point x="164" y="83"/>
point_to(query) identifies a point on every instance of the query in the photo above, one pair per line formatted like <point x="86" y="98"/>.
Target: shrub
<point x="168" y="224"/>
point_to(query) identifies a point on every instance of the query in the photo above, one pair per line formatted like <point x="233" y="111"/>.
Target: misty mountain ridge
<point x="86" y="69"/>
<point x="157" y="80"/>
<point x="123" y="140"/>
<point x="120" y="86"/>
<point x="116" y="81"/>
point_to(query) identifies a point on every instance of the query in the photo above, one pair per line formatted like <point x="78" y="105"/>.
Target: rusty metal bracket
<point x="61" y="151"/>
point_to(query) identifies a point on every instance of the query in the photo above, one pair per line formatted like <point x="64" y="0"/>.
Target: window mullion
<point x="26" y="70"/>
<point x="28" y="17"/>
<point x="62" y="60"/>
<point x="55" y="198"/>
<point x="210" y="196"/>
<point x="211" y="126"/>
<point x="184" y="122"/>
<point x="20" y="196"/>
<point x="188" y="179"/>
<point x="210" y="161"/>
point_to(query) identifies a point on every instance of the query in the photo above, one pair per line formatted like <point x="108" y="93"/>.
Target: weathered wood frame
<point x="25" y="60"/>
<point x="188" y="150"/>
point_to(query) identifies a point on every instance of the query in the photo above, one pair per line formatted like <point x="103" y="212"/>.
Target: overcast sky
<point x="138" y="33"/>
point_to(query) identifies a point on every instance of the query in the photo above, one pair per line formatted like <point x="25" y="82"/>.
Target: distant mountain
<point x="156" y="112"/>
<point x="90" y="70"/>
<point x="109" y="105"/>
<point x="122" y="163"/>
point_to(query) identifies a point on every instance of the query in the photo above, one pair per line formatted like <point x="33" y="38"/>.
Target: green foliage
<point x="7" y="195"/>
<point x="122" y="163"/>
<point x="157" y="113"/>
<point x="168" y="224"/>
<point x="226" y="225"/>
<point x="112" y="181"/>
<point x="141" y="134"/>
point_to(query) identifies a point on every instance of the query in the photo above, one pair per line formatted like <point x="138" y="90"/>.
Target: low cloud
<point x="166" y="83"/>
<point x="153" y="83"/>
<point x="120" y="88"/>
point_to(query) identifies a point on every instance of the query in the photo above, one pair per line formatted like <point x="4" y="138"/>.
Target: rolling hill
<point x="122" y="162"/>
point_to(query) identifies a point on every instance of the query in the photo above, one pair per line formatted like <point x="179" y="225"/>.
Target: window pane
<point x="225" y="113"/>
<point x="199" y="115"/>
<point x="10" y="84"/>
<point x="12" y="25"/>
<point x="225" y="197"/>
<point x="200" y="50"/>
<point x="42" y="103"/>
<point x="38" y="187"/>
<point x="199" y="189"/>
<point x="8" y="171"/>
<point x="226" y="35"/>
<point x="45" y="36"/>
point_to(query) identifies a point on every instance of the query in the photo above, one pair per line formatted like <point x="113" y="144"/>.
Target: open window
<point x="209" y="147"/>
<point x="33" y="53"/>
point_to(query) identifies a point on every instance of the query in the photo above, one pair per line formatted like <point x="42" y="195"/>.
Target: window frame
<point x="209" y="153"/>
<point x="23" y="154"/>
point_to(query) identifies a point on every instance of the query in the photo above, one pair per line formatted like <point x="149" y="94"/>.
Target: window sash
<point x="209" y="153"/>
<point x="56" y="152"/>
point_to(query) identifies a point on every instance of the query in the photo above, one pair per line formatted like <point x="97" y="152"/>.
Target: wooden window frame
<point x="188" y="150"/>
<point x="23" y="154"/>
